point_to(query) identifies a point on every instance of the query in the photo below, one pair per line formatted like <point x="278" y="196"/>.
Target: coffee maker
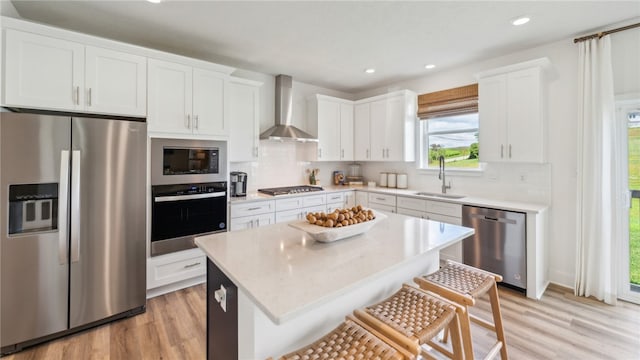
<point x="238" y="183"/>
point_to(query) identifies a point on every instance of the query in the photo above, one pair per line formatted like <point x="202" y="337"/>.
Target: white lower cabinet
<point x="248" y="215"/>
<point x="248" y="222"/>
<point x="297" y="208"/>
<point x="382" y="202"/>
<point x="437" y="211"/>
<point x="362" y="198"/>
<point x="176" y="269"/>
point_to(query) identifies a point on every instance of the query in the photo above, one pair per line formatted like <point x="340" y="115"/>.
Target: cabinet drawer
<point x="315" y="200"/>
<point x="444" y="208"/>
<point x="289" y="204"/>
<point x="335" y="198"/>
<point x="443" y="218"/>
<point x="174" y="268"/>
<point x="411" y="203"/>
<point x="387" y="208"/>
<point x="383" y="199"/>
<point x="289" y="215"/>
<point x="252" y="208"/>
<point x="248" y="222"/>
<point x="414" y="213"/>
<point x="362" y="198"/>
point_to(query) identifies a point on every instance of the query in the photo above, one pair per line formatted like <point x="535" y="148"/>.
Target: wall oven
<point x="188" y="192"/>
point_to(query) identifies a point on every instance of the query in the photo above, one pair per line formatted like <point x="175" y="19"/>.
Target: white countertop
<point x="286" y="273"/>
<point x="467" y="200"/>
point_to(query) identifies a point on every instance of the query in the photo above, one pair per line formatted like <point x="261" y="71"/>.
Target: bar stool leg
<point x="497" y="320"/>
<point x="465" y="330"/>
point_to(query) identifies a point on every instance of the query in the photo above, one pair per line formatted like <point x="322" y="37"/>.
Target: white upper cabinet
<point x="54" y="74"/>
<point x="512" y="124"/>
<point x="242" y="106"/>
<point x="208" y="103"/>
<point x="334" y="120"/>
<point x="385" y="127"/>
<point x="185" y="100"/>
<point x="115" y="82"/>
<point x="346" y="131"/>
<point x="170" y="97"/>
<point x="362" y="143"/>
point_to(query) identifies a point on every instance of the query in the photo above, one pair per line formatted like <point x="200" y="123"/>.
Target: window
<point x="455" y="137"/>
<point x="449" y="127"/>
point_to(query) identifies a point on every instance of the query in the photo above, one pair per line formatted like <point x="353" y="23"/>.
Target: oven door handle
<point x="189" y="197"/>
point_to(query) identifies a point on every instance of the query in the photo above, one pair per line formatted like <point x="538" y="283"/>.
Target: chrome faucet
<point x="441" y="176"/>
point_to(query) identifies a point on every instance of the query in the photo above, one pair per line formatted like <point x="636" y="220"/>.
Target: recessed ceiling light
<point x="154" y="1"/>
<point x="520" y="21"/>
<point x="370" y="70"/>
<point x="430" y="66"/>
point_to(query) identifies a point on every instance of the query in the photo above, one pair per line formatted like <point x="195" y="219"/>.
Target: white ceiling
<point x="331" y="43"/>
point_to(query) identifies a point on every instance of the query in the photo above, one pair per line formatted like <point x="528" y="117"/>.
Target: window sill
<point x="454" y="171"/>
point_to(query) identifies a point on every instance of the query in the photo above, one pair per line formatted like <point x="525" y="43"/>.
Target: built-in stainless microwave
<point x="180" y="161"/>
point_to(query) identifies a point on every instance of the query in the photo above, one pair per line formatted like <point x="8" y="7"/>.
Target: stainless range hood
<point x="283" y="130"/>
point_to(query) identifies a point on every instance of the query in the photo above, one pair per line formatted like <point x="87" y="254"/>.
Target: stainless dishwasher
<point x="499" y="243"/>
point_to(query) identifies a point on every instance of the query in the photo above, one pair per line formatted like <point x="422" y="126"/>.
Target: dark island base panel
<point x="222" y="327"/>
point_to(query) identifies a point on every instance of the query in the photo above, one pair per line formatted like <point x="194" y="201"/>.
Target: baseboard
<point x="151" y="293"/>
<point x="562" y="278"/>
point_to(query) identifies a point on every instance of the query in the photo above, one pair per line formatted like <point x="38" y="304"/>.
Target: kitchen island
<point x="273" y="289"/>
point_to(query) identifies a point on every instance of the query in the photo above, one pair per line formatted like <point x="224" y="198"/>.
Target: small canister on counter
<point x="383" y="179"/>
<point x="402" y="181"/>
<point x="391" y="180"/>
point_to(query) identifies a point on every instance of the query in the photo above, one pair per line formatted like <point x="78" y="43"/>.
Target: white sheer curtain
<point x="600" y="180"/>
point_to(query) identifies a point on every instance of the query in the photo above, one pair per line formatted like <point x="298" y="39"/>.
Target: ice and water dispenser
<point x="33" y="207"/>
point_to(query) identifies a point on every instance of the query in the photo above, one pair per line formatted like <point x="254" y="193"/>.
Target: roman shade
<point x="456" y="101"/>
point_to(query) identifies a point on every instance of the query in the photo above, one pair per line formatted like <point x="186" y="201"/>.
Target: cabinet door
<point x="361" y="142"/>
<point x="346" y="132"/>
<point x="43" y="72"/>
<point x="242" y="106"/>
<point x="289" y="215"/>
<point x="394" y="129"/>
<point x="328" y="130"/>
<point x="378" y="124"/>
<point x="115" y="82"/>
<point x="492" y="92"/>
<point x="362" y="198"/>
<point x="170" y="90"/>
<point x="524" y="109"/>
<point x="350" y="199"/>
<point x="414" y="213"/>
<point x="208" y="103"/>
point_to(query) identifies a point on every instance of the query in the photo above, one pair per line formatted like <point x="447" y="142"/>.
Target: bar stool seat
<point x="351" y="340"/>
<point x="463" y="284"/>
<point x="412" y="317"/>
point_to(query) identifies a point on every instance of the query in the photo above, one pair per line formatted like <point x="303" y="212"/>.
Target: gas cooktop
<point x="290" y="190"/>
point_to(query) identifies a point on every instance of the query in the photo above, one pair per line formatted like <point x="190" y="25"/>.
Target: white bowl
<point x="324" y="234"/>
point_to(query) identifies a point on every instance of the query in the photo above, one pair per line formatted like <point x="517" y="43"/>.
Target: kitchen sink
<point x="446" y="196"/>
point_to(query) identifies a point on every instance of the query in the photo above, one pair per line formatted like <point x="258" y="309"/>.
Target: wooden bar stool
<point x="463" y="284"/>
<point x="412" y="317"/>
<point x="352" y="339"/>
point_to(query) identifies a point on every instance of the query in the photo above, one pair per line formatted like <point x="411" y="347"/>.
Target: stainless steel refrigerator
<point x="72" y="216"/>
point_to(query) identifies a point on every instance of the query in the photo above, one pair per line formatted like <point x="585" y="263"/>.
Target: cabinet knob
<point x="77" y="96"/>
<point x="501" y="151"/>
<point x="195" y="121"/>
<point x="509" y="151"/>
<point x="89" y="97"/>
<point x="188" y="121"/>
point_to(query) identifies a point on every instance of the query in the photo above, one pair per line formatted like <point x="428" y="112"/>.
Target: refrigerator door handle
<point x="75" y="206"/>
<point x="63" y="208"/>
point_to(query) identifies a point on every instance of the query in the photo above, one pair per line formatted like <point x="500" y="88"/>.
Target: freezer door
<point x="34" y="250"/>
<point x="108" y="212"/>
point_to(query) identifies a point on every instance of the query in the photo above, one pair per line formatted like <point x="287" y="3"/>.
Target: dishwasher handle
<point x="492" y="219"/>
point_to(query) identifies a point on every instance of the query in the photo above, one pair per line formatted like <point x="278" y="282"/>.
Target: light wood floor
<point x="559" y="326"/>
